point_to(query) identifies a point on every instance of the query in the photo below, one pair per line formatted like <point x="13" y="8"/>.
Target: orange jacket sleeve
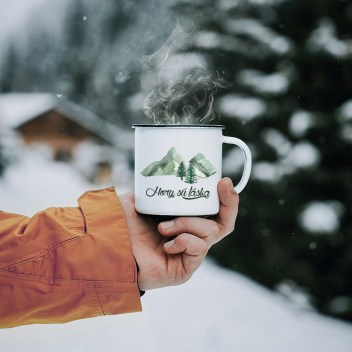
<point x="65" y="264"/>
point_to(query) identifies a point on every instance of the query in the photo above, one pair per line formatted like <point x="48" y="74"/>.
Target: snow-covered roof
<point x="19" y="108"/>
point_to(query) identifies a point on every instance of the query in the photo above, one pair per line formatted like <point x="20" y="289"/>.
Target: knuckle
<point x="182" y="222"/>
<point x="182" y="239"/>
<point x="214" y="229"/>
<point x="204" y="247"/>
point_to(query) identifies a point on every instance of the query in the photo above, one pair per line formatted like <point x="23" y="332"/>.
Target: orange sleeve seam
<point x="67" y="282"/>
<point x="39" y="254"/>
<point x="97" y="297"/>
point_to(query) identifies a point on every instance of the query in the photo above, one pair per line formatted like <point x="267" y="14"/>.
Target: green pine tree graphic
<point x="191" y="176"/>
<point x="181" y="171"/>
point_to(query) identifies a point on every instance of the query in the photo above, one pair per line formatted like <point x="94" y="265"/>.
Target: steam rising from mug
<point x="185" y="100"/>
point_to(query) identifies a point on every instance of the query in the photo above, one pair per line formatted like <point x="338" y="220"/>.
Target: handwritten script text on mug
<point x="186" y="193"/>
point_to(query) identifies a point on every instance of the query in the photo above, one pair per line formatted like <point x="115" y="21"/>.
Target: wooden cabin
<point x="43" y="118"/>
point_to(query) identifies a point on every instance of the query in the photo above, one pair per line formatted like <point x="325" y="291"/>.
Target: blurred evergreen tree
<point x="8" y="69"/>
<point x="3" y="157"/>
<point x="2" y="166"/>
<point x="88" y="37"/>
<point x="290" y="65"/>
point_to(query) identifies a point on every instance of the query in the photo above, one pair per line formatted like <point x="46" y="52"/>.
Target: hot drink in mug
<point x="178" y="167"/>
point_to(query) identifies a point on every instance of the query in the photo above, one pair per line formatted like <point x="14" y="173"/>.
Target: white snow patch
<point x="214" y="40"/>
<point x="266" y="2"/>
<point x="341" y="304"/>
<point x="266" y="172"/>
<point x="297" y="295"/>
<point x="324" y="38"/>
<point x="17" y="108"/>
<point x="302" y="155"/>
<point x="346" y="132"/>
<point x="241" y="107"/>
<point x="272" y="84"/>
<point x="257" y="31"/>
<point x="344" y="116"/>
<point x="34" y="183"/>
<point x="321" y="217"/>
<point x="233" y="162"/>
<point x="344" y="112"/>
<point x="233" y="4"/>
<point x="276" y="140"/>
<point x="300" y="122"/>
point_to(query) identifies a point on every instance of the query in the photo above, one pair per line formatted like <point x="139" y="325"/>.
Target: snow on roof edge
<point x="19" y="108"/>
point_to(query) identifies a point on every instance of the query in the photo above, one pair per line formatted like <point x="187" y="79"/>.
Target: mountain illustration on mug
<point x="173" y="164"/>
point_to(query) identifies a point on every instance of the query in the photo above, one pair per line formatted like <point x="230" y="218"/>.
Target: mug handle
<point x="247" y="161"/>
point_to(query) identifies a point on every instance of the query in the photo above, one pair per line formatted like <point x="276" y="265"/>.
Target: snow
<point x="233" y="162"/>
<point x="321" y="217"/>
<point x="214" y="40"/>
<point x="303" y="155"/>
<point x="300" y="122"/>
<point x="344" y="116"/>
<point x="324" y="38"/>
<point x="254" y="29"/>
<point x="234" y="4"/>
<point x="266" y="2"/>
<point x="291" y="158"/>
<point x="17" y="108"/>
<point x="241" y="107"/>
<point x="272" y="84"/>
<point x="217" y="310"/>
<point x="297" y="295"/>
<point x="277" y="140"/>
<point x="346" y="133"/>
<point x="345" y="111"/>
<point x="33" y="183"/>
<point x="266" y="172"/>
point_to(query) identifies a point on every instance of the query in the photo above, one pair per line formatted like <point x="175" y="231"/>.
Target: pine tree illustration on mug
<point x="181" y="171"/>
<point x="191" y="176"/>
<point x="173" y="164"/>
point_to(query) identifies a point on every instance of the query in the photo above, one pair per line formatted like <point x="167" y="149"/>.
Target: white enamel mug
<point x="178" y="167"/>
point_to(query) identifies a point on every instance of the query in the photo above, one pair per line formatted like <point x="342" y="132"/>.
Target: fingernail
<point x="166" y="225"/>
<point x="169" y="244"/>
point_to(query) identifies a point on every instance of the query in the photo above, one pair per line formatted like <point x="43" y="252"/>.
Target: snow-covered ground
<point x="217" y="310"/>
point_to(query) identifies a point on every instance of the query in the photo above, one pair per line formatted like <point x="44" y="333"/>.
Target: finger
<point x="228" y="206"/>
<point x="193" y="248"/>
<point x="202" y="228"/>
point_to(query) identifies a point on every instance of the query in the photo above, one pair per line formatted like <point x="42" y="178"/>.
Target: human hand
<point x="168" y="253"/>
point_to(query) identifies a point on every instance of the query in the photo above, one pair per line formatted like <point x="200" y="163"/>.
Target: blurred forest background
<point x="289" y="63"/>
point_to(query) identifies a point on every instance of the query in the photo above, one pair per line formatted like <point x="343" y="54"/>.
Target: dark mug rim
<point x="177" y="125"/>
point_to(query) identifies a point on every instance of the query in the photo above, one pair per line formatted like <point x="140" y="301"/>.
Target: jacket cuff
<point x="115" y="282"/>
